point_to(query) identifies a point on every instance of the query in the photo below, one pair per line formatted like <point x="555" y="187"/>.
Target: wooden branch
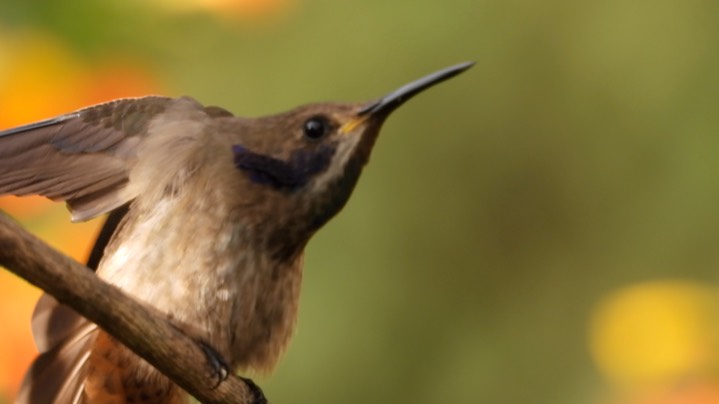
<point x="149" y="335"/>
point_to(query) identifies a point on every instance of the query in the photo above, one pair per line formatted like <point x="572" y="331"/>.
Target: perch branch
<point x="150" y="335"/>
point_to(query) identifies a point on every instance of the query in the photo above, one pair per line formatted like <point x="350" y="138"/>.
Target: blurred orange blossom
<point x="246" y="10"/>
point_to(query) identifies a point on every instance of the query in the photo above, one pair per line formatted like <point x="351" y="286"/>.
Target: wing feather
<point x="83" y="158"/>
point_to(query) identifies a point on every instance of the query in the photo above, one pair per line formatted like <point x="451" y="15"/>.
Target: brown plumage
<point x="211" y="214"/>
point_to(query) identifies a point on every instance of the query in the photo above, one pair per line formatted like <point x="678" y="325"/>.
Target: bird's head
<point x="309" y="159"/>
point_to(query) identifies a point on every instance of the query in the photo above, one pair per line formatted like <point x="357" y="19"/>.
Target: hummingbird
<point x="209" y="216"/>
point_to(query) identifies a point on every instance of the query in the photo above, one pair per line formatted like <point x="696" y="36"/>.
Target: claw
<point x="221" y="372"/>
<point x="258" y="397"/>
<point x="219" y="367"/>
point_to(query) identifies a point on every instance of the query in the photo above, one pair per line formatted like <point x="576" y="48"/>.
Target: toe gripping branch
<point x="221" y="371"/>
<point x="258" y="397"/>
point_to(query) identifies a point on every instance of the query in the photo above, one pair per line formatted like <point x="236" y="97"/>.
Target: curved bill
<point x="402" y="94"/>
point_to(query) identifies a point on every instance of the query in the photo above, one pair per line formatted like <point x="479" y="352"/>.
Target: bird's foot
<point x="220" y="370"/>
<point x="258" y="397"/>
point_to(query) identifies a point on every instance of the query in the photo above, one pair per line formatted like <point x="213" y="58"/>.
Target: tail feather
<point x="64" y="339"/>
<point x="52" y="323"/>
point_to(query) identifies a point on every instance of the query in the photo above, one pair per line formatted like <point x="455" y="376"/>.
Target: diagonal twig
<point x="148" y="334"/>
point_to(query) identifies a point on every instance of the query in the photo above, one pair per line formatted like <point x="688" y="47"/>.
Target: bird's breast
<point x="198" y="261"/>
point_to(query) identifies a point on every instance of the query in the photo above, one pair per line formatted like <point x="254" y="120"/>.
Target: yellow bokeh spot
<point x="657" y="331"/>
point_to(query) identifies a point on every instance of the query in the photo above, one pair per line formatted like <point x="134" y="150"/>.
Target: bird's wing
<point x="112" y="223"/>
<point x="83" y="157"/>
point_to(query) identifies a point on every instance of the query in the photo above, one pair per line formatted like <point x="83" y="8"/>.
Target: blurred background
<point x="542" y="229"/>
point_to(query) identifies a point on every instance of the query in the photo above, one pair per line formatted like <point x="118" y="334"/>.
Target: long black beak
<point x="396" y="98"/>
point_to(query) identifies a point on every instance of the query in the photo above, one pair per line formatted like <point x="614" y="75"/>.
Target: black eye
<point x="316" y="127"/>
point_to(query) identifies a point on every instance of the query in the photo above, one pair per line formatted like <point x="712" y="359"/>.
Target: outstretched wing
<point x="83" y="158"/>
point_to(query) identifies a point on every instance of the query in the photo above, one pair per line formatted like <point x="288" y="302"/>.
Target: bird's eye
<point x="316" y="127"/>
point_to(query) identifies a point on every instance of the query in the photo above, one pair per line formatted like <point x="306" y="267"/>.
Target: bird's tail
<point x="64" y="339"/>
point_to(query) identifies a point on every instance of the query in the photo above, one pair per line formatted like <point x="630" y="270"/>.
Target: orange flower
<point x="246" y="10"/>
